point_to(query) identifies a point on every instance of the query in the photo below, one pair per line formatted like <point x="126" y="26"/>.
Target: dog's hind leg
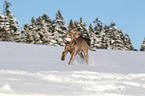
<point x="86" y="56"/>
<point x="81" y="55"/>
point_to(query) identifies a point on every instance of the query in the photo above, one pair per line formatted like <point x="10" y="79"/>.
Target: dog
<point x="75" y="45"/>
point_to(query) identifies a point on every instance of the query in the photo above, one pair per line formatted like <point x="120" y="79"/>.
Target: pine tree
<point x="33" y="28"/>
<point x="98" y="25"/>
<point x="4" y="27"/>
<point x="104" y="39"/>
<point x="118" y="43"/>
<point x="60" y="29"/>
<point x="83" y="29"/>
<point x="100" y="34"/>
<point x="27" y="34"/>
<point x="42" y="30"/>
<point x="92" y="36"/>
<point x="71" y="25"/>
<point x="128" y="44"/>
<point x="109" y="33"/>
<point x="9" y="25"/>
<point x="48" y="25"/>
<point x="30" y="33"/>
<point x="143" y="46"/>
<point x="47" y="19"/>
<point x="39" y="30"/>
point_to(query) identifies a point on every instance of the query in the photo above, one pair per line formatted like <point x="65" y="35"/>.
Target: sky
<point x="129" y="15"/>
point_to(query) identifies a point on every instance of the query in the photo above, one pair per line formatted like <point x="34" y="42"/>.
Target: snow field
<point x="78" y="83"/>
<point x="36" y="70"/>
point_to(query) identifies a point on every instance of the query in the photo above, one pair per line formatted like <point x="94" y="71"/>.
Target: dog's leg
<point x="81" y="55"/>
<point x="64" y="53"/>
<point x="71" y="59"/>
<point x="87" y="60"/>
<point x="86" y="56"/>
<point x="73" y="53"/>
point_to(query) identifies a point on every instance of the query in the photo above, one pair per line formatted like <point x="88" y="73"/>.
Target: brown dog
<point x="75" y="46"/>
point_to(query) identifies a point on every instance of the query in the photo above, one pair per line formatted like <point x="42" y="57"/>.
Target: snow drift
<point x="37" y="70"/>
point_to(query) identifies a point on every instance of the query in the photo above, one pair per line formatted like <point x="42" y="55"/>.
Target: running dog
<point x="75" y="45"/>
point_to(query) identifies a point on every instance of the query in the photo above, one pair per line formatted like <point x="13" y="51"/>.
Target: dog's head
<point x="71" y="36"/>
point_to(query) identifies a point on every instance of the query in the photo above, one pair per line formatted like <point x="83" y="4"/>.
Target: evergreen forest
<point x="43" y="30"/>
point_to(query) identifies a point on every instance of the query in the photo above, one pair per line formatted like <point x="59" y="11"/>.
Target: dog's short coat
<point x="75" y="46"/>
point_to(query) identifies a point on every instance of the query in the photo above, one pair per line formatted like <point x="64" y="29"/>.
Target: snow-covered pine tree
<point x="27" y="34"/>
<point x="71" y="25"/>
<point x="60" y="28"/>
<point x="104" y="39"/>
<point x="14" y="28"/>
<point x="4" y="27"/>
<point x="115" y="41"/>
<point x="98" y="25"/>
<point x="30" y="33"/>
<point x="47" y="19"/>
<point x="50" y="29"/>
<point x="60" y="20"/>
<point x="92" y="36"/>
<point x="83" y="29"/>
<point x="143" y="46"/>
<point x="39" y="30"/>
<point x="109" y="34"/>
<point x="128" y="44"/>
<point x="33" y="28"/>
<point x="9" y="25"/>
<point x="118" y="42"/>
<point x="43" y="31"/>
<point x="100" y="34"/>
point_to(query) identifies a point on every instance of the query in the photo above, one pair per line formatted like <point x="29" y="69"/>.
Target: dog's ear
<point x="74" y="30"/>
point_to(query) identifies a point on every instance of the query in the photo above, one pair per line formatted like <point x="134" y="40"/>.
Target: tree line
<point x="44" y="30"/>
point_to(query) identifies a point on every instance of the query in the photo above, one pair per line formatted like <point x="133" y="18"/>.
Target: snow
<point x="37" y="70"/>
<point x="7" y="87"/>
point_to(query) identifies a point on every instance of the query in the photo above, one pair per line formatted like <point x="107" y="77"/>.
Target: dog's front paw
<point x="63" y="57"/>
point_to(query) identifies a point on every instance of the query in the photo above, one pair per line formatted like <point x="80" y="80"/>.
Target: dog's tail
<point x="90" y="48"/>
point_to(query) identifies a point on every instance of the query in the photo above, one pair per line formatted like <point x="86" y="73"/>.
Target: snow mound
<point x="7" y="87"/>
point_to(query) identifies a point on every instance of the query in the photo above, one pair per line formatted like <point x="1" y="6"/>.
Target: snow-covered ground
<point x="37" y="70"/>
